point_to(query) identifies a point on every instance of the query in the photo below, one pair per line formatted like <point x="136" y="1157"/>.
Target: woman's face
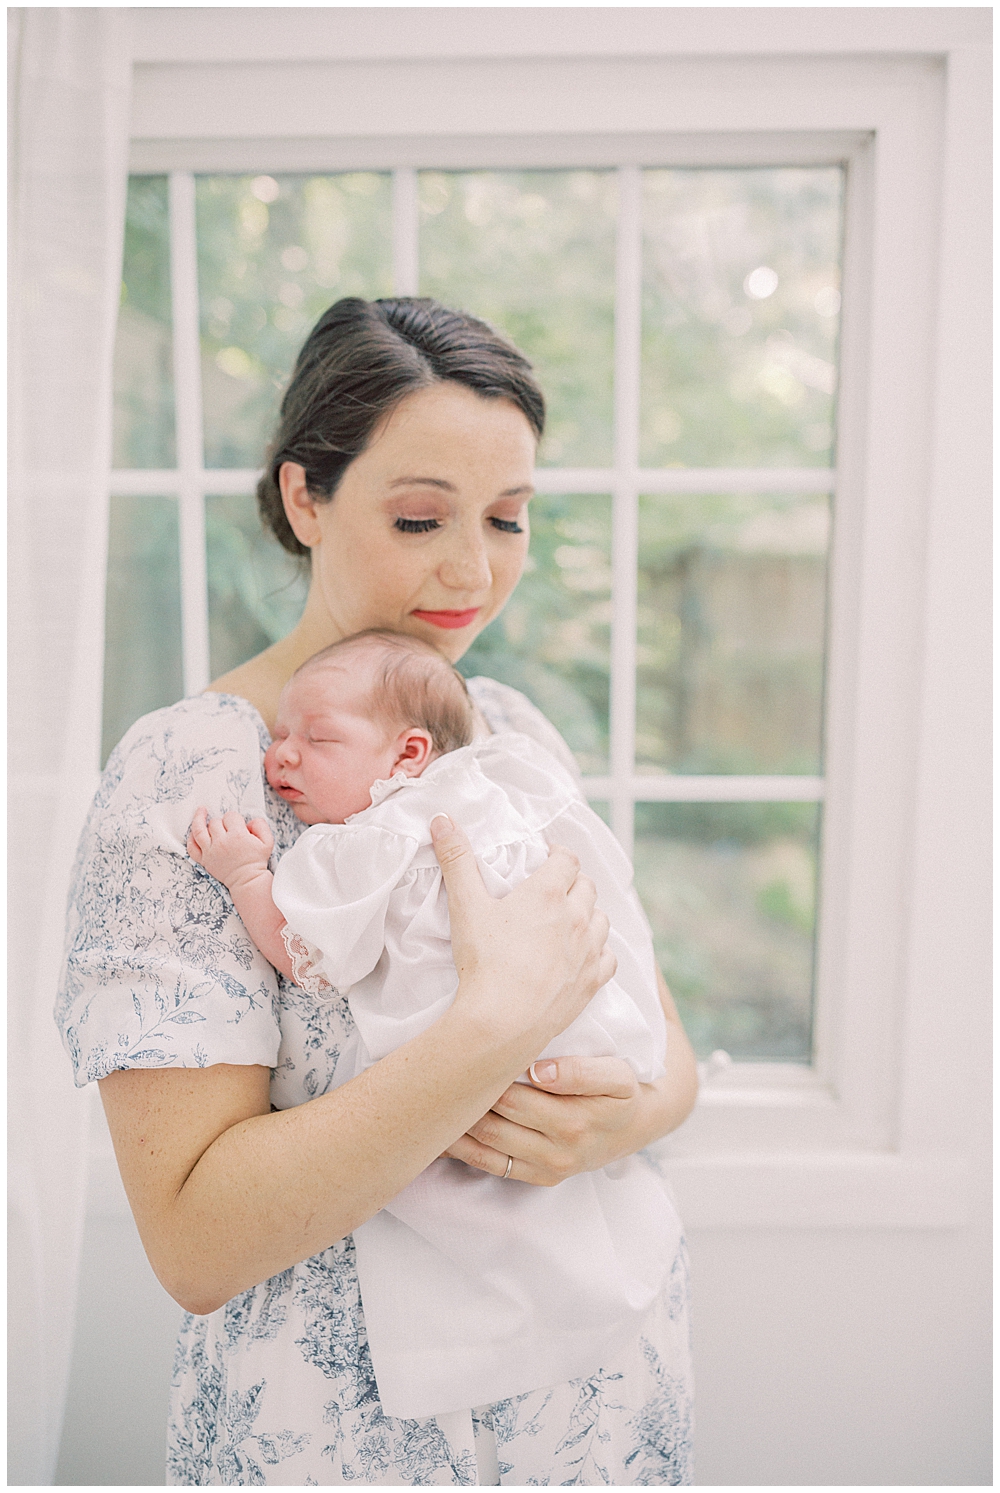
<point x="428" y="531"/>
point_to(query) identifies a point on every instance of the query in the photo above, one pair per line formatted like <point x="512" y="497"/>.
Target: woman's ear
<point x="414" y="749"/>
<point x="299" y="505"/>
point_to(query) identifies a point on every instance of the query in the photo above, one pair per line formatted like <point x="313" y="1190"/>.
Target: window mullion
<point x="405" y="233"/>
<point x="190" y="447"/>
<point x="625" y="529"/>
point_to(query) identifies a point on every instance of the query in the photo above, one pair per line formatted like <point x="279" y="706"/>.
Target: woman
<point x="402" y="467"/>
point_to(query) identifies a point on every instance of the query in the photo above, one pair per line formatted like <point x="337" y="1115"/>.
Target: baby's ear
<point x="414" y="750"/>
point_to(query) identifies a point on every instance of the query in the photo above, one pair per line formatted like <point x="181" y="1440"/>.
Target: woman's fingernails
<point x="440" y="825"/>
<point x="543" y="1072"/>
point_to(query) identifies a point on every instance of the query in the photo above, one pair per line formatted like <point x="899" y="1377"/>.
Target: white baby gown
<point x="476" y="1289"/>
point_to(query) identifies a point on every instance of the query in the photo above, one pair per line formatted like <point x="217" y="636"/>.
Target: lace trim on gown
<point x="304" y="964"/>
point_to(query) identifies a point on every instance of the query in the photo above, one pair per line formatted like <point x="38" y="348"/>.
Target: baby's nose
<point x="276" y="756"/>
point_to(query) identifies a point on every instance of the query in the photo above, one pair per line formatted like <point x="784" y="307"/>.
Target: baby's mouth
<point x="286" y="790"/>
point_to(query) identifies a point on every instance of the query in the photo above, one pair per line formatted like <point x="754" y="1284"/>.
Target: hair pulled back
<point x="360" y="359"/>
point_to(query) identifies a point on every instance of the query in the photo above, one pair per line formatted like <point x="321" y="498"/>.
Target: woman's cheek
<point x="508" y="567"/>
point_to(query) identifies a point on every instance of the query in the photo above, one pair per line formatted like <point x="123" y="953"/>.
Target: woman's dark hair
<point x="360" y="359"/>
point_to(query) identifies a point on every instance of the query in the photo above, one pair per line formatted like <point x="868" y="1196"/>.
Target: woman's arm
<point x="227" y="1194"/>
<point x="583" y="1115"/>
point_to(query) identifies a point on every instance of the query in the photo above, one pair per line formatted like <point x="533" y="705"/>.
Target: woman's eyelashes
<point x="416" y="525"/>
<point x="425" y="525"/>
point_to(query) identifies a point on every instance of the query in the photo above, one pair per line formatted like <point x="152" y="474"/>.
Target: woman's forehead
<point x="449" y="421"/>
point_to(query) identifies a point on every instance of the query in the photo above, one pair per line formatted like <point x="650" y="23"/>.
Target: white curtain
<point x="70" y="82"/>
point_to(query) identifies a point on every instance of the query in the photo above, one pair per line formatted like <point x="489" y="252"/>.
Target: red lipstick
<point x="449" y="619"/>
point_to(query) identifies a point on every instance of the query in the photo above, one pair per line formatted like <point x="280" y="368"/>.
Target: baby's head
<point x="372" y="705"/>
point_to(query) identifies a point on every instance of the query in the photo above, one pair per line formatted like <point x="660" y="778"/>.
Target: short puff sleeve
<point x="159" y="970"/>
<point x="333" y="888"/>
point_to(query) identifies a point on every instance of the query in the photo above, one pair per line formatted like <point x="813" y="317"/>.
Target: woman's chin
<point x="453" y="643"/>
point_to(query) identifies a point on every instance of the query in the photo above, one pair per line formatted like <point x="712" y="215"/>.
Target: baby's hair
<point x="414" y="685"/>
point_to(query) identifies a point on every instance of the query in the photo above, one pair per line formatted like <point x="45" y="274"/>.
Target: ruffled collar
<point x="384" y="788"/>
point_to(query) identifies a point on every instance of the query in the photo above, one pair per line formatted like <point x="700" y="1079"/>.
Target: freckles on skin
<point x="452" y="461"/>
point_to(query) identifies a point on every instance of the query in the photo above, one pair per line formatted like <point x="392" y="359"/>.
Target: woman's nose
<point x="467" y="566"/>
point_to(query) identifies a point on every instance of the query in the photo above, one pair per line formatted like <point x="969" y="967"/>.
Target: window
<point x="672" y="619"/>
<point x="841" y="1140"/>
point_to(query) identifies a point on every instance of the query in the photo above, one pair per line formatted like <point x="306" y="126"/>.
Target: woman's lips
<point x="449" y="619"/>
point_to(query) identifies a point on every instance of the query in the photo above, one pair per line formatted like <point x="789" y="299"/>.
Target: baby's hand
<point x="229" y="848"/>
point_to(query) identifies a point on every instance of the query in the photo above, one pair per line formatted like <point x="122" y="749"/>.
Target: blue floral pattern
<point x="276" y="1387"/>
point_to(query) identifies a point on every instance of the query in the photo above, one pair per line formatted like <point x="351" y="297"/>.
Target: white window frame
<point x="850" y="1141"/>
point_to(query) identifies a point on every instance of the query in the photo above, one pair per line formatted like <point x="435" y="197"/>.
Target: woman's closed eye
<point x="425" y="525"/>
<point x="416" y="525"/>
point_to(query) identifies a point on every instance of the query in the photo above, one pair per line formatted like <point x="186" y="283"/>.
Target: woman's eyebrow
<point x="423" y="482"/>
<point x="443" y="486"/>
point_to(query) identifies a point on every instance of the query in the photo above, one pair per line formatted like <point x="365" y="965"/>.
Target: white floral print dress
<point x="276" y="1387"/>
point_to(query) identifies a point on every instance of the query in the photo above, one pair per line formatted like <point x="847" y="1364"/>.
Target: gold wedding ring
<point x="510" y="1167"/>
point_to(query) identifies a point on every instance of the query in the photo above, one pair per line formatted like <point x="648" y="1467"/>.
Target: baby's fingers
<point x="199" y="835"/>
<point x="261" y="830"/>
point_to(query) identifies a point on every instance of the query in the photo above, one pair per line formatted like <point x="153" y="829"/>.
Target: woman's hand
<point x="582" y="1113"/>
<point x="531" y="961"/>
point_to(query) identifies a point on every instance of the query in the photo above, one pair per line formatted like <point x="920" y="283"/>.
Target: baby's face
<point x="327" y="751"/>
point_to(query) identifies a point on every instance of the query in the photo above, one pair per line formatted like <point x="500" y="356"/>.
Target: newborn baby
<point x="374" y="737"/>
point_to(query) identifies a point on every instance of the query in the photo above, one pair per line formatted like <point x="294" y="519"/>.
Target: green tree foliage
<point x="143" y="432"/>
<point x="532" y="252"/>
<point x="731" y="631"/>
<point x="738" y="368"/>
<point x="553" y="638"/>
<point x="273" y="254"/>
<point x="730" y="890"/>
<point x="142" y="633"/>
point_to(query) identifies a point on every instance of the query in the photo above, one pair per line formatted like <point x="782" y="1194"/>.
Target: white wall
<point x="115" y="1426"/>
<point x="841" y="1355"/>
<point x="846" y="1357"/>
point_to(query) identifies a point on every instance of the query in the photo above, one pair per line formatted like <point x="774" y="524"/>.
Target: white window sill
<point x="817" y="1190"/>
<point x="769" y="1145"/>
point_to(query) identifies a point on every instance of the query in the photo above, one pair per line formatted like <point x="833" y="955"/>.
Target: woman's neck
<point x="261" y="679"/>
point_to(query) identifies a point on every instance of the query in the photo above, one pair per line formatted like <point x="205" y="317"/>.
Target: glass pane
<point x="533" y="253"/>
<point x="741" y="293"/>
<point x="273" y="254"/>
<point x="730" y="890"/>
<point x="142" y="617"/>
<point x="143" y="378"/>
<point x="256" y="590"/>
<point x="731" y="624"/>
<point x="553" y="639"/>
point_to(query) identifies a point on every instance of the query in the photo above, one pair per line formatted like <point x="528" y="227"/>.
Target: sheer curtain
<point x="70" y="81"/>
